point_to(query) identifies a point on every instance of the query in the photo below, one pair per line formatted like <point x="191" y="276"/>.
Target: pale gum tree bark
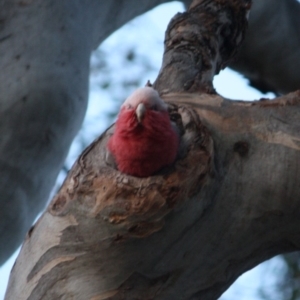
<point x="44" y="60"/>
<point x="45" y="48"/>
<point x="230" y="201"/>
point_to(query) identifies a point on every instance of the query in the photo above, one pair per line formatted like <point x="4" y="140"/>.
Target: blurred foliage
<point x="287" y="280"/>
<point x="120" y="75"/>
<point x="113" y="76"/>
<point x="124" y="61"/>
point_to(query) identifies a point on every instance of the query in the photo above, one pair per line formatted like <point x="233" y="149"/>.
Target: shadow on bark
<point x="229" y="202"/>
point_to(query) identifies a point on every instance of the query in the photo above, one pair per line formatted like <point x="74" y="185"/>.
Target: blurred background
<point x="126" y="60"/>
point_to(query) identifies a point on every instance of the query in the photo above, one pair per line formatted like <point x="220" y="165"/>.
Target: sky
<point x="144" y="33"/>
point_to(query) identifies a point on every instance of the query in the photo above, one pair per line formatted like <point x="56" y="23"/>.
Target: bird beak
<point x="140" y="112"/>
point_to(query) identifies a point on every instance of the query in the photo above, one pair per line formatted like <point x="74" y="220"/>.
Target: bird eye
<point x="154" y="107"/>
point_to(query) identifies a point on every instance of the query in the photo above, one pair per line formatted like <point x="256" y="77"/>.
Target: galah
<point x="144" y="140"/>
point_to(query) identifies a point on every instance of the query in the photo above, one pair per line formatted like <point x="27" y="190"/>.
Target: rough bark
<point x="103" y="224"/>
<point x="270" y="55"/>
<point x="199" y="43"/>
<point x="230" y="201"/>
<point x="44" y="60"/>
<point x="110" y="236"/>
<point x="45" y="48"/>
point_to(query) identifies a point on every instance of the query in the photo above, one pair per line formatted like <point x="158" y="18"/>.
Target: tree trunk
<point x="230" y="201"/>
<point x="45" y="49"/>
<point x="44" y="60"/>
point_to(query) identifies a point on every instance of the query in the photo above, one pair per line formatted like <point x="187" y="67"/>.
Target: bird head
<point x="144" y="99"/>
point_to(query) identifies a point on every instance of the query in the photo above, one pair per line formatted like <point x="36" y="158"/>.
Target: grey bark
<point x="229" y="202"/>
<point x="44" y="60"/>
<point x="45" y="47"/>
<point x="270" y="54"/>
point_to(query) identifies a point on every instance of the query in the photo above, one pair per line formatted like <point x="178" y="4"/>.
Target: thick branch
<point x="189" y="231"/>
<point x="230" y="201"/>
<point x="270" y="56"/>
<point x="102" y="223"/>
<point x="45" y="49"/>
<point x="199" y="43"/>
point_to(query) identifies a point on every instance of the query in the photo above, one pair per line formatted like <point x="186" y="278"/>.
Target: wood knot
<point x="58" y="204"/>
<point x="242" y="148"/>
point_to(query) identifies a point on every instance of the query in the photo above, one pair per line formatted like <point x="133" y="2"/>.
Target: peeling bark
<point x="43" y="86"/>
<point x="199" y="43"/>
<point x="189" y="231"/>
<point x="45" y="49"/>
<point x="100" y="216"/>
<point x="229" y="202"/>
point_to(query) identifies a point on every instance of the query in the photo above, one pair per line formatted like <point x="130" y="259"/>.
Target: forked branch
<point x="229" y="202"/>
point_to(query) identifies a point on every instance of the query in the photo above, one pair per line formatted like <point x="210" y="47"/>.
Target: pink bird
<point x="144" y="140"/>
